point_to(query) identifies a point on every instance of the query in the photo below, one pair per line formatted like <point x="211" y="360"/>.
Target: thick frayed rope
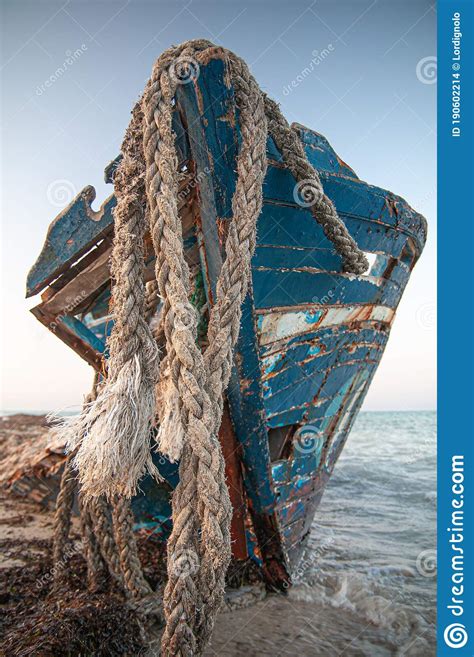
<point x="108" y="540"/>
<point x="117" y="431"/>
<point x="112" y="435"/>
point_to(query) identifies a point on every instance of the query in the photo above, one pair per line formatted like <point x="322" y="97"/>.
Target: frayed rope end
<point x="112" y="435"/>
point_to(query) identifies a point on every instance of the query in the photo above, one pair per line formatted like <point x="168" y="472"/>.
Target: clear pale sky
<point x="365" y="97"/>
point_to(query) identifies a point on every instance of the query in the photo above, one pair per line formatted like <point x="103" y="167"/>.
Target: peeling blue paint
<point x="311" y="336"/>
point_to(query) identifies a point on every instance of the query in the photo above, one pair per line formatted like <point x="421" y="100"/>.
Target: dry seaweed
<point x="70" y="622"/>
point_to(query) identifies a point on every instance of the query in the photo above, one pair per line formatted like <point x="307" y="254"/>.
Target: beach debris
<point x="31" y="457"/>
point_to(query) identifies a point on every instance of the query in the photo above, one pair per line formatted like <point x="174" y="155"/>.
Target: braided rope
<point x="92" y="553"/>
<point x="62" y="518"/>
<point x="107" y="537"/>
<point x="110" y="433"/>
<point x="112" y="437"/>
<point x="151" y="300"/>
<point x="185" y="366"/>
<point x="99" y="510"/>
<point x="122" y="520"/>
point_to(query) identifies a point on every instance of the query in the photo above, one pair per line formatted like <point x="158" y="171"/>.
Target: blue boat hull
<point x="311" y="336"/>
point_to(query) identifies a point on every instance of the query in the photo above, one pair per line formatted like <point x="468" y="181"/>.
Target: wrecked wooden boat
<point x="311" y="335"/>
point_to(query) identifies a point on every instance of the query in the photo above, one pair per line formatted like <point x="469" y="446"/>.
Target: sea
<point x="367" y="583"/>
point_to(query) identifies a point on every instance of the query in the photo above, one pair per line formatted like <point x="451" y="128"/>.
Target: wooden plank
<point x="74" y="231"/>
<point x="324" y="403"/>
<point x="328" y="338"/>
<point x="299" y="371"/>
<point x="286" y="226"/>
<point x="81" y="346"/>
<point x="274" y="288"/>
<point x="283" y="257"/>
<point x="231" y="452"/>
<point x="81" y="287"/>
<point x="86" y="335"/>
<point x="279" y="325"/>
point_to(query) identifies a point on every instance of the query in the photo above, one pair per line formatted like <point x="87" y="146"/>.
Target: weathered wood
<point x="71" y="235"/>
<point x="311" y="336"/>
<point x="231" y="452"/>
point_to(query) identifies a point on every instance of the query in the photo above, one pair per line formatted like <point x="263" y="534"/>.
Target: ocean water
<point x="367" y="583"/>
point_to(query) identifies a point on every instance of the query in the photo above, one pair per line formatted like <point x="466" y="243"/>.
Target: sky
<point x="373" y="97"/>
